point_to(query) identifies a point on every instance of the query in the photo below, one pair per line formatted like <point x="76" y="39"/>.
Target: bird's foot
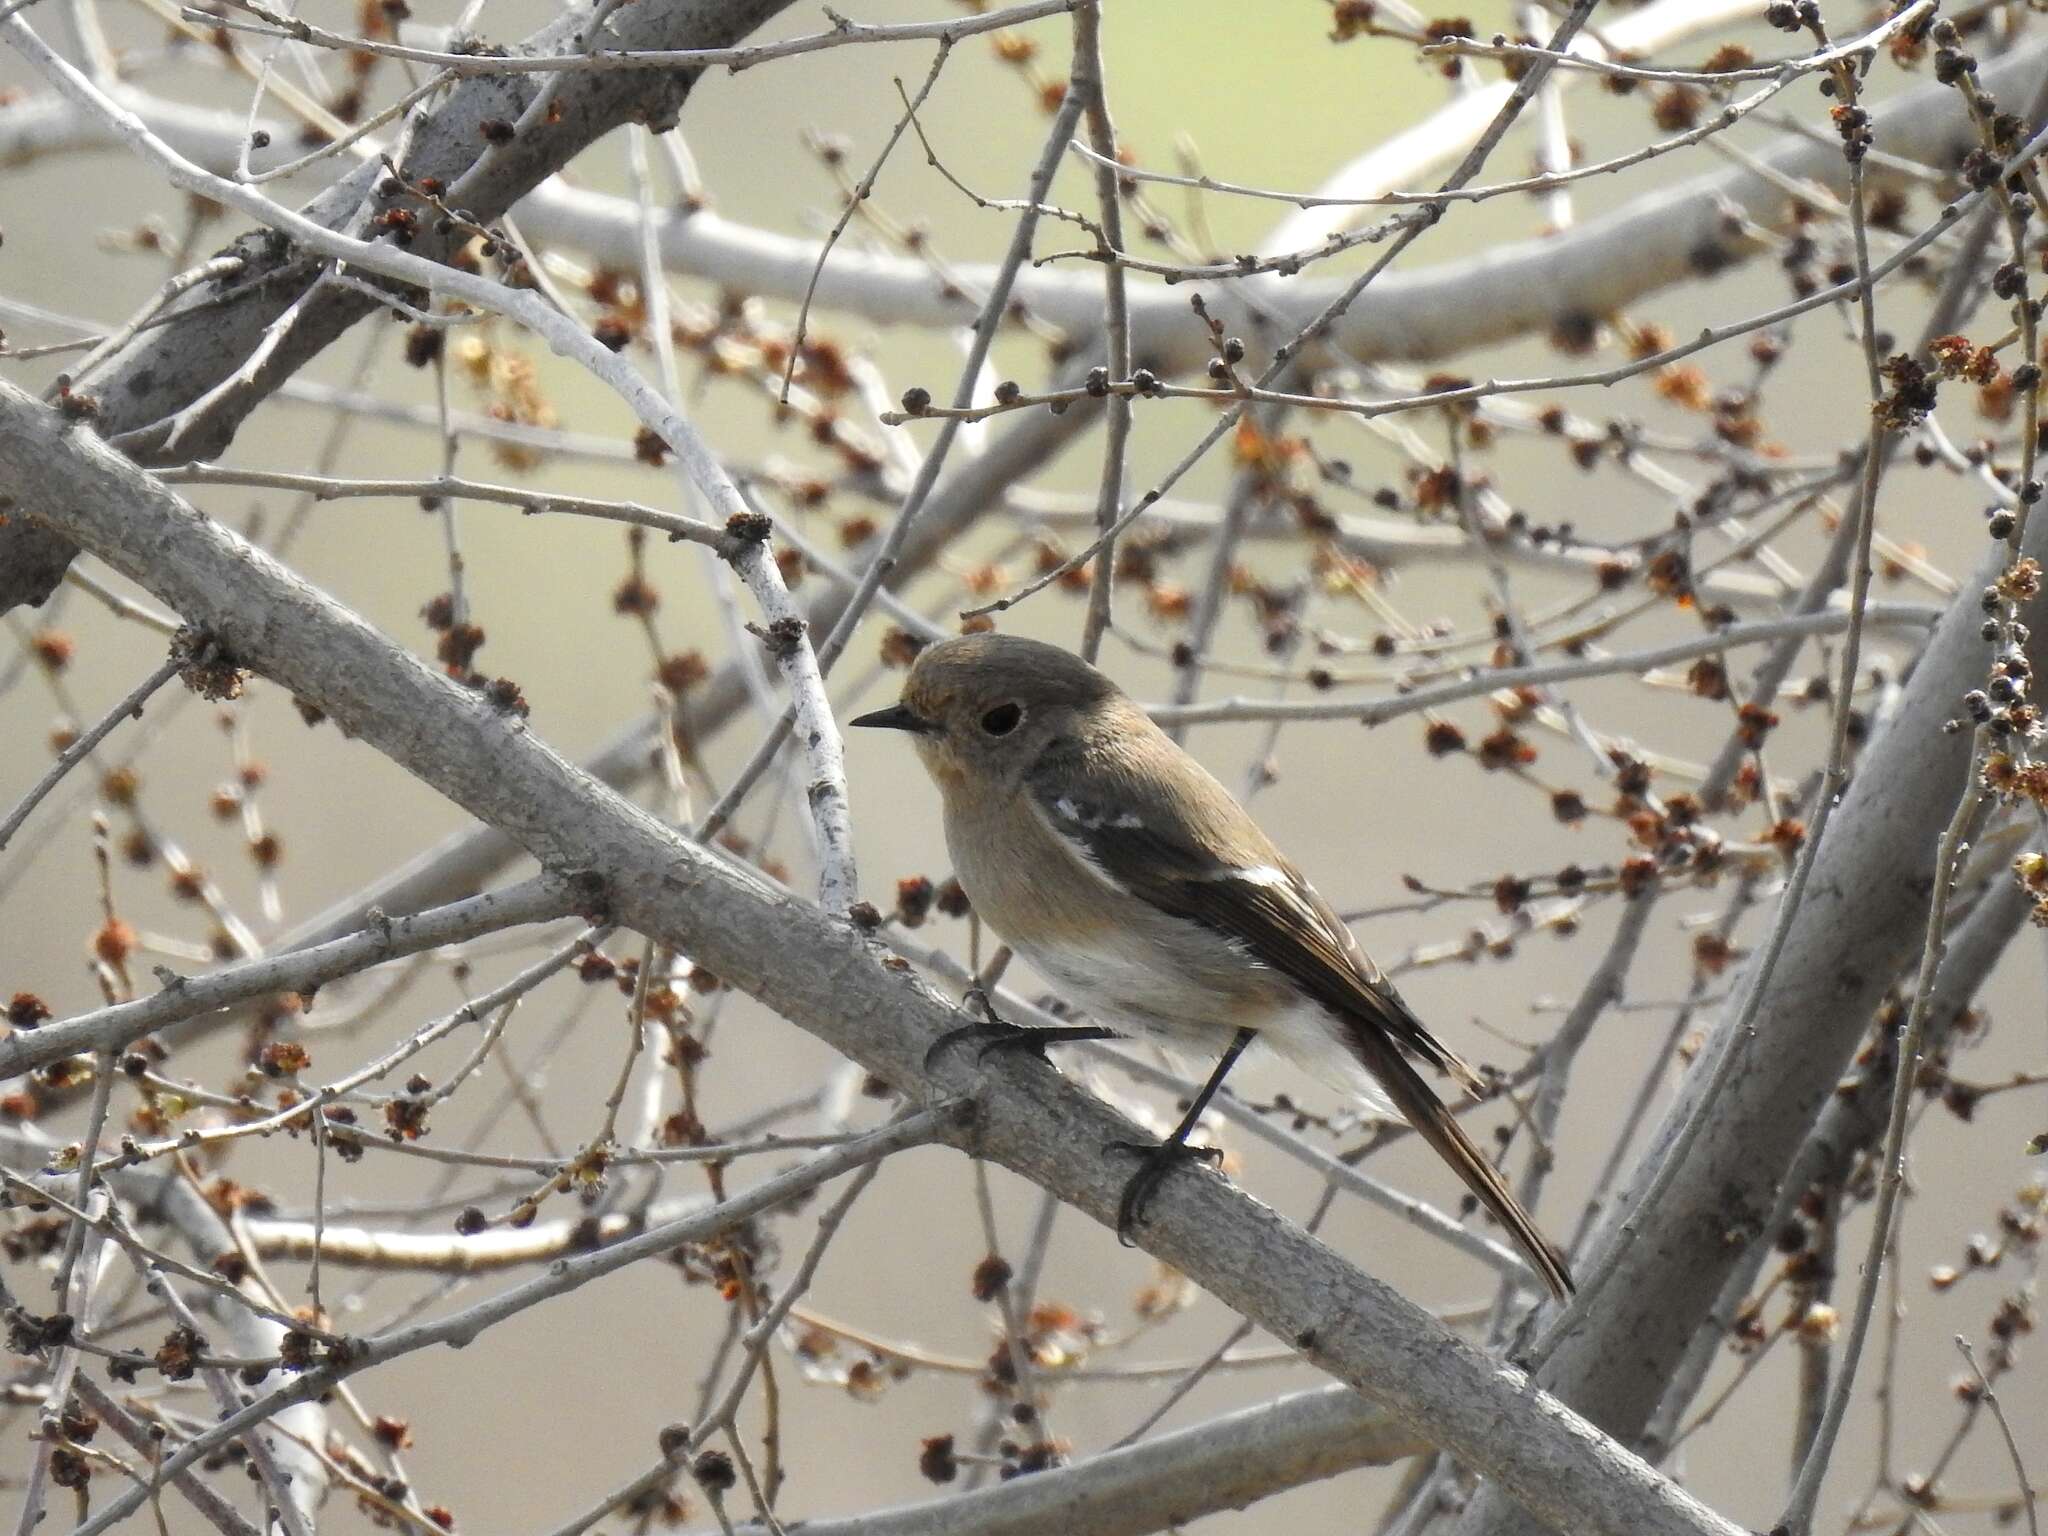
<point x="1157" y="1160"/>
<point x="992" y="1032"/>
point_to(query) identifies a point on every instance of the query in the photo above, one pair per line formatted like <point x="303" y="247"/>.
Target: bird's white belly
<point x="1173" y="1006"/>
<point x="1130" y="995"/>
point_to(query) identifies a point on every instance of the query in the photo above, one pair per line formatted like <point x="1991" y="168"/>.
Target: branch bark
<point x="1231" y="1462"/>
<point x="120" y="1025"/>
<point x="209" y="334"/>
<point x="1594" y="269"/>
<point x="1656" y="1273"/>
<point x="823" y="975"/>
<point x="1670" y="235"/>
<point x="1850" y="1125"/>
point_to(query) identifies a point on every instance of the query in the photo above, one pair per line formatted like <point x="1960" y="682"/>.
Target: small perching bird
<point x="1115" y="864"/>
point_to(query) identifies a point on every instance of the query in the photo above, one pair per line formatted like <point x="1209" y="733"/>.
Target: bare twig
<point x="535" y="901"/>
<point x="269" y="23"/>
<point x="129" y="708"/>
<point x="2012" y="1446"/>
<point x="860" y="193"/>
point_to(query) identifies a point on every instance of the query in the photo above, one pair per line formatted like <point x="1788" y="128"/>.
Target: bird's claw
<point x="1157" y="1160"/>
<point x="997" y="1033"/>
<point x="994" y="1034"/>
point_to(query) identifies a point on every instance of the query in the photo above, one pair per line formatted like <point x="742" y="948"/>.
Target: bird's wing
<point x="1199" y="855"/>
<point x="1229" y="878"/>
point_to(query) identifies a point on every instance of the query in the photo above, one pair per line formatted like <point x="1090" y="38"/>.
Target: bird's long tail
<point x="1421" y="1108"/>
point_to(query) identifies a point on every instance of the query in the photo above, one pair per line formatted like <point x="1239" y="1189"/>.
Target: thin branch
<point x="754" y="1344"/>
<point x="130" y="708"/>
<point x="1989" y="1398"/>
<point x="329" y="488"/>
<point x="538" y="900"/>
<point x="566" y="1275"/>
<point x="882" y="565"/>
<point x="1912" y="1034"/>
<point x="270" y="23"/>
<point x="790" y="644"/>
<point x="223" y="1515"/>
<point x="1770" y="69"/>
<point x="1089" y="79"/>
<point x="862" y="190"/>
<point x="1501" y="679"/>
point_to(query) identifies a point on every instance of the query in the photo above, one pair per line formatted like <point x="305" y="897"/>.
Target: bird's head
<point x="982" y="708"/>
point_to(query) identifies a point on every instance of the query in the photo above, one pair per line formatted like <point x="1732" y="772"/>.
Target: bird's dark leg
<point x="996" y="1033"/>
<point x="1169" y="1154"/>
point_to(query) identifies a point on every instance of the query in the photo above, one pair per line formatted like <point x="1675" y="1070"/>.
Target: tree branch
<point x="207" y="336"/>
<point x="1865" y="907"/>
<point x="820" y="973"/>
<point x="1231" y="1462"/>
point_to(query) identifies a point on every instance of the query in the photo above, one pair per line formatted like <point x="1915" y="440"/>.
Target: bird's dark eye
<point x="1003" y="719"/>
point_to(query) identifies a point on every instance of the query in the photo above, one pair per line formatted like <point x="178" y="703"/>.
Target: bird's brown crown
<point x="971" y="674"/>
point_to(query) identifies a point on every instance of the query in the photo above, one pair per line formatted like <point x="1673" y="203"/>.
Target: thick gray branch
<point x="1670" y="234"/>
<point x="1665" y="237"/>
<point x="1851" y="1124"/>
<point x="1230" y="1462"/>
<point x="819" y="972"/>
<point x="205" y="340"/>
<point x="1864" y="915"/>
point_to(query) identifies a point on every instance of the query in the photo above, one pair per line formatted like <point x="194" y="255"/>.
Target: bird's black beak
<point x="897" y="717"/>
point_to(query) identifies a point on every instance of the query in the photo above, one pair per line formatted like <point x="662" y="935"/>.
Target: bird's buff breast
<point x="1131" y="966"/>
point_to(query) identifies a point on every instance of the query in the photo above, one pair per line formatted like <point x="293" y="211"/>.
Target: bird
<point x="1107" y="856"/>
